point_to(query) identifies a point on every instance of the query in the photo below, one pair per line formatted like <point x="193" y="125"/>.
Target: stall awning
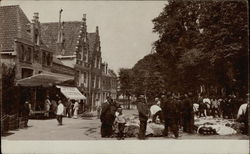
<point x="43" y="79"/>
<point x="71" y="93"/>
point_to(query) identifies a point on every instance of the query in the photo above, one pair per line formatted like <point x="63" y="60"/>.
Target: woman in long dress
<point x="76" y="107"/>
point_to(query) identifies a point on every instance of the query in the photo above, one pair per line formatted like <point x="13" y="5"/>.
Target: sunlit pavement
<point x="82" y="129"/>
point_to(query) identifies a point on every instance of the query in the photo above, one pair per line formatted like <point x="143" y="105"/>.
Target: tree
<point x="148" y="78"/>
<point x="204" y="42"/>
<point x="9" y="96"/>
<point x="126" y="78"/>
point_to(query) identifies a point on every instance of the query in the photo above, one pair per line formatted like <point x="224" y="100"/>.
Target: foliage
<point x="8" y="89"/>
<point x="201" y="44"/>
<point x="204" y="43"/>
<point x="126" y="78"/>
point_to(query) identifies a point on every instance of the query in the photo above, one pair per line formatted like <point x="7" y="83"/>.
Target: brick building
<point x="80" y="50"/>
<point x="23" y="49"/>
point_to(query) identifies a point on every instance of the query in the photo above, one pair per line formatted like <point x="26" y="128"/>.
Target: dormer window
<point x="28" y="29"/>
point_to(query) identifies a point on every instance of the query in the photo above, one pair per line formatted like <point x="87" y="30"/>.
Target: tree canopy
<point x="201" y="44"/>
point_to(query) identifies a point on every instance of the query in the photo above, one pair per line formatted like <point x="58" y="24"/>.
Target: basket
<point x="13" y="122"/>
<point x="4" y="124"/>
<point x="21" y="122"/>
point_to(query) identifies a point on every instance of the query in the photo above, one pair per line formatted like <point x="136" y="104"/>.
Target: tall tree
<point x="126" y="78"/>
<point x="204" y="42"/>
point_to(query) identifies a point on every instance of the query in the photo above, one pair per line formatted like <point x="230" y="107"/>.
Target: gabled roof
<point x="92" y="41"/>
<point x="13" y="24"/>
<point x="71" y="31"/>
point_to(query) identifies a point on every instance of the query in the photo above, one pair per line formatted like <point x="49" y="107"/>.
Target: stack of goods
<point x="4" y="123"/>
<point x="212" y="126"/>
<point x="21" y="122"/>
<point x="13" y="122"/>
<point x="156" y="129"/>
<point x="133" y="125"/>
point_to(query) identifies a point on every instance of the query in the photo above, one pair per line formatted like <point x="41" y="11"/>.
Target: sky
<point x="125" y="27"/>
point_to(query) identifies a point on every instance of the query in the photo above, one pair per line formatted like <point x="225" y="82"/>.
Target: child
<point x="120" y="120"/>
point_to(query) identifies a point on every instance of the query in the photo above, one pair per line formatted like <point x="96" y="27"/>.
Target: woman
<point x="76" y="107"/>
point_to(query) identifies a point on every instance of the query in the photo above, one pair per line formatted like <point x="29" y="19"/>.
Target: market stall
<point x="35" y="89"/>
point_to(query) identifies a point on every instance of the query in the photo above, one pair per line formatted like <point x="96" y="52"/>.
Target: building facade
<point x="80" y="50"/>
<point x="23" y="49"/>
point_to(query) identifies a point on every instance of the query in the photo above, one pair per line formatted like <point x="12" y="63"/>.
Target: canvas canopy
<point x="71" y="93"/>
<point x="43" y="79"/>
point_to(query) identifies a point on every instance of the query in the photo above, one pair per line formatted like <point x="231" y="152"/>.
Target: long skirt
<point x="75" y="113"/>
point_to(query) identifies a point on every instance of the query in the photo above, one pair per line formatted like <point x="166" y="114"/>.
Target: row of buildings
<point x="45" y="55"/>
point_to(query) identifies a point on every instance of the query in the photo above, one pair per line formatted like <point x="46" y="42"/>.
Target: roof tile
<point x="13" y="23"/>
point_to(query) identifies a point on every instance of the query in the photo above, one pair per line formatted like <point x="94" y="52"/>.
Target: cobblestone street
<point x="82" y="129"/>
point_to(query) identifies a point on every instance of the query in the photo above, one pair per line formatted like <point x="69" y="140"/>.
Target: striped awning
<point x="71" y="93"/>
<point x="44" y="79"/>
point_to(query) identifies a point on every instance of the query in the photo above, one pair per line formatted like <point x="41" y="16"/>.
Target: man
<point x="188" y="114"/>
<point x="68" y="108"/>
<point x="171" y="116"/>
<point x="107" y="117"/>
<point x="47" y="106"/>
<point x="207" y="101"/>
<point x="215" y="107"/>
<point x="59" y="113"/>
<point x="26" y="112"/>
<point x="242" y="116"/>
<point x="143" y="111"/>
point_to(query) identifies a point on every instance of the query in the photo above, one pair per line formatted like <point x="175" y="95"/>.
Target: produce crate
<point x="13" y="122"/>
<point x="21" y="122"/>
<point x="4" y="124"/>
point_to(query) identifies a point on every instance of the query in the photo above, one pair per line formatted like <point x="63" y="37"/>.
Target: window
<point x="22" y="53"/>
<point x="36" y="56"/>
<point x="93" y="82"/>
<point x="96" y="85"/>
<point x="28" y="54"/>
<point x="44" y="58"/>
<point x="85" y="77"/>
<point x="48" y="59"/>
<point x="26" y="72"/>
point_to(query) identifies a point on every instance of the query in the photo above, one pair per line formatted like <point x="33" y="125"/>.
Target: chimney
<point x="97" y="30"/>
<point x="35" y="17"/>
<point x="84" y="17"/>
<point x="35" y="29"/>
<point x="106" y="68"/>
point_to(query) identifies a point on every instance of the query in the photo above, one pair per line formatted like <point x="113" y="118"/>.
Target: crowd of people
<point x="175" y="112"/>
<point x="57" y="107"/>
<point x="178" y="112"/>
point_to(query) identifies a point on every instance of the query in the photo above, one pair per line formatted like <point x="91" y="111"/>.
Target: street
<point x="83" y="129"/>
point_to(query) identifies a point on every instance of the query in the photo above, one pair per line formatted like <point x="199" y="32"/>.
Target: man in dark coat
<point x="26" y="112"/>
<point x="143" y="111"/>
<point x="107" y="117"/>
<point x="171" y="116"/>
<point x="188" y="114"/>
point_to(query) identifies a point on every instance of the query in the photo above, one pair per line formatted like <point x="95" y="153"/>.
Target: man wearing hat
<point x="143" y="111"/>
<point x="188" y="114"/>
<point x="107" y="117"/>
<point x="171" y="115"/>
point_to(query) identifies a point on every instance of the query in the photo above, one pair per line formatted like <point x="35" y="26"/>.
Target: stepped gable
<point x="71" y="30"/>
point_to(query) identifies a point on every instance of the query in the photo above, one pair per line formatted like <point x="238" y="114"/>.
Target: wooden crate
<point x="13" y="122"/>
<point x="4" y="124"/>
<point x="21" y="123"/>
